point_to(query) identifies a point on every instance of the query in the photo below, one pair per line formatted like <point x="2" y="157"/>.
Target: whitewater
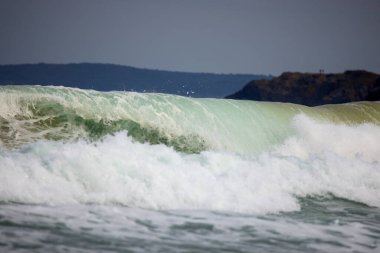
<point x="89" y="171"/>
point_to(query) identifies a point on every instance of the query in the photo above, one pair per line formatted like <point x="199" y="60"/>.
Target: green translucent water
<point x="188" y="125"/>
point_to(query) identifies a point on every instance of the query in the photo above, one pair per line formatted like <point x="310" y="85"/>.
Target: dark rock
<point x="314" y="89"/>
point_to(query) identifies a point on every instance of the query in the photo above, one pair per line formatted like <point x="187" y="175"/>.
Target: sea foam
<point x="319" y="159"/>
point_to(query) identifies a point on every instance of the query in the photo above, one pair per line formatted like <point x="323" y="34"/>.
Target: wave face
<point x="63" y="145"/>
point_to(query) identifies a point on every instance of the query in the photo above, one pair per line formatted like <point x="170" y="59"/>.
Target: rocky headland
<point x="314" y="89"/>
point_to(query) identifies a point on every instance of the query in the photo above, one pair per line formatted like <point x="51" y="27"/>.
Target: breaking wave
<point x="62" y="145"/>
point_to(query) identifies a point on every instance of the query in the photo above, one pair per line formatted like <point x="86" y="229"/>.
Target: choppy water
<point x="86" y="171"/>
<point x="322" y="225"/>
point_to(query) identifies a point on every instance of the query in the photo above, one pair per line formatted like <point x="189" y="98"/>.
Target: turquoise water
<point x="87" y="171"/>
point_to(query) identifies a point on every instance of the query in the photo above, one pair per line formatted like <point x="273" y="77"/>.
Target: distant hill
<point x="106" y="77"/>
<point x="314" y="89"/>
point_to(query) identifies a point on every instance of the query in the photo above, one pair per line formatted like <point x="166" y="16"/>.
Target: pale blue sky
<point x="229" y="36"/>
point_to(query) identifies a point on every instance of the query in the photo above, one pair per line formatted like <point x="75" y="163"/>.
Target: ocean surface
<point x="88" y="171"/>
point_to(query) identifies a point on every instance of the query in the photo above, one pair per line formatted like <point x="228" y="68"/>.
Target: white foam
<point x="313" y="137"/>
<point x="320" y="159"/>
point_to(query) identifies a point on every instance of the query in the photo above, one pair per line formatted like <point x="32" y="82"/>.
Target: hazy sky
<point x="230" y="36"/>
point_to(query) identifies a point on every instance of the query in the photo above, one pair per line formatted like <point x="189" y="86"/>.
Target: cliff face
<point x="314" y="89"/>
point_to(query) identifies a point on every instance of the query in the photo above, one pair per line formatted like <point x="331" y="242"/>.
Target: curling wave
<point x="61" y="145"/>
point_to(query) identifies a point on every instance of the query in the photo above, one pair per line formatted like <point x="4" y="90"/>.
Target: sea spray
<point x="119" y="170"/>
